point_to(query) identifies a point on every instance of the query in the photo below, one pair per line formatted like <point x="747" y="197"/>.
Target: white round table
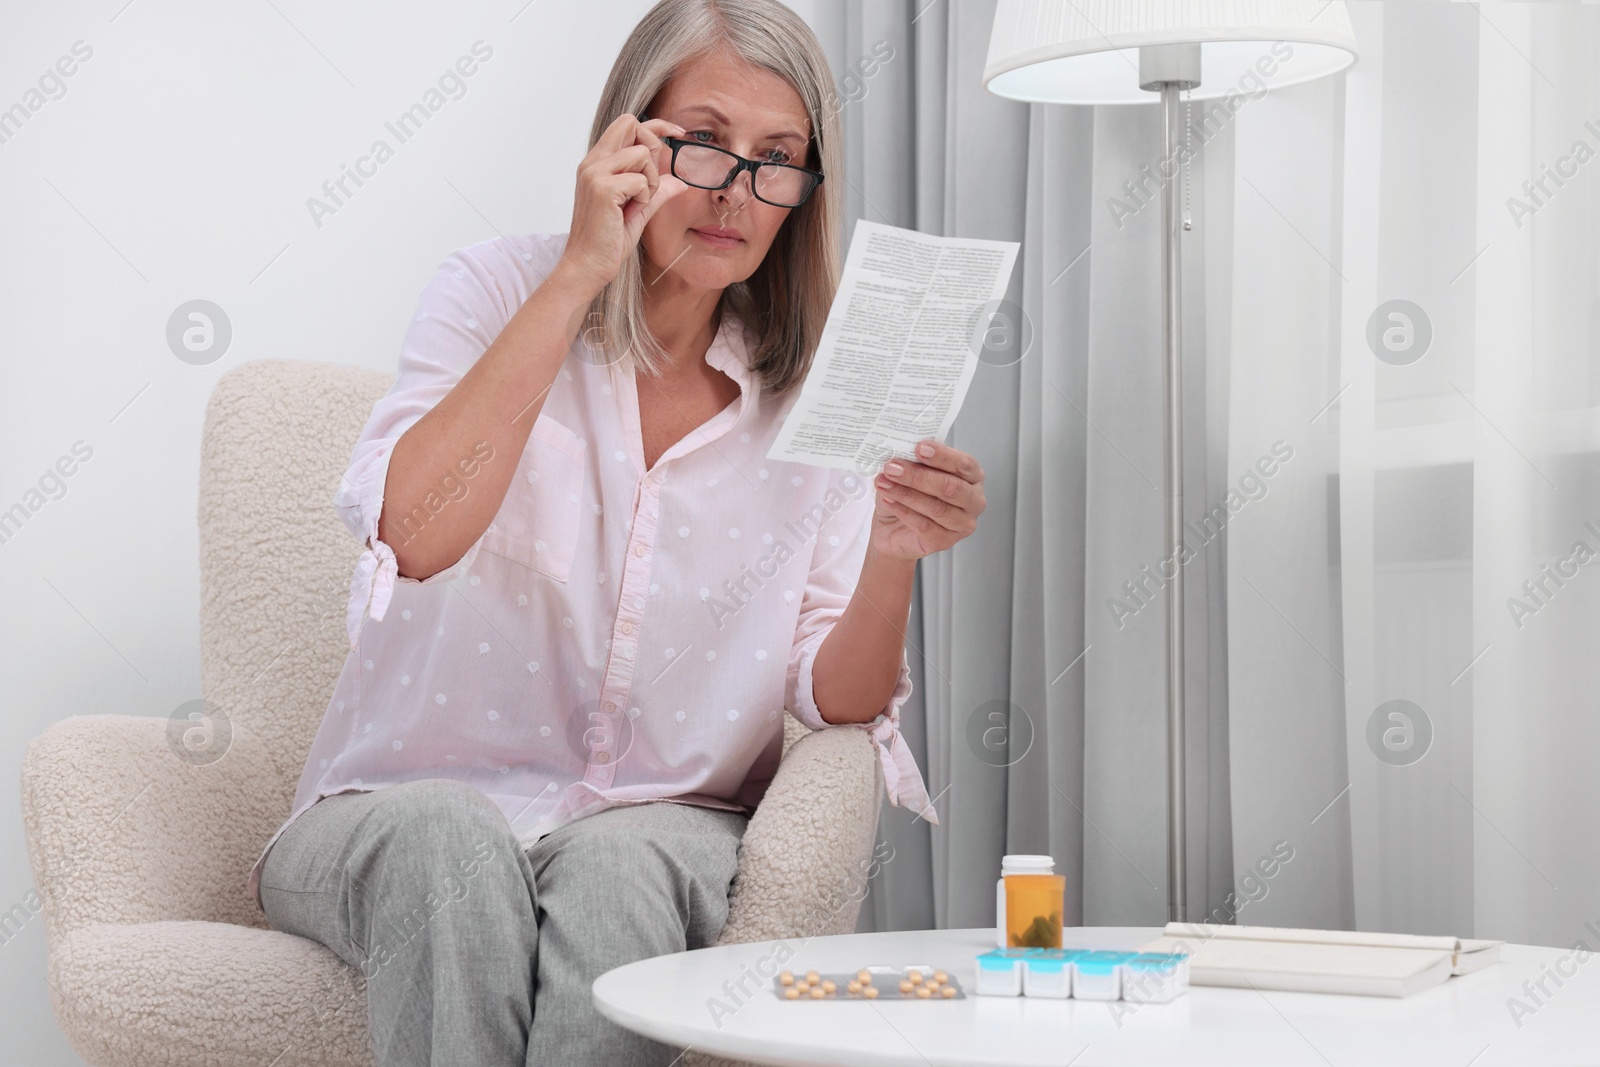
<point x="694" y="999"/>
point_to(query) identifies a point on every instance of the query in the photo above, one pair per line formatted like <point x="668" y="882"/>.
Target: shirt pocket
<point x="537" y="524"/>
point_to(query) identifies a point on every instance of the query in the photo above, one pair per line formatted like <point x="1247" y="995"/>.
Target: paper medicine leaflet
<point x="899" y="349"/>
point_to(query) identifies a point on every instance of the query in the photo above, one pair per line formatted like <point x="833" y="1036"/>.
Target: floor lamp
<point x="1116" y="52"/>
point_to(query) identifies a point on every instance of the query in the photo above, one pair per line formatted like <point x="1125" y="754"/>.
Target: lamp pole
<point x="1169" y="69"/>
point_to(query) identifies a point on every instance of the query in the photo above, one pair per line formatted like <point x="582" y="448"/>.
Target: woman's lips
<point x="714" y="240"/>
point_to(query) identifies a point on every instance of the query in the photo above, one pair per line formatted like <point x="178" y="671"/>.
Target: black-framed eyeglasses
<point x="708" y="167"/>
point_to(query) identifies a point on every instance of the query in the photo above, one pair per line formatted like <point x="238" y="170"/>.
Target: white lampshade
<point x="1087" y="51"/>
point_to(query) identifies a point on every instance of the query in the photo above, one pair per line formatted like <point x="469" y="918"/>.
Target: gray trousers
<point x="478" y="953"/>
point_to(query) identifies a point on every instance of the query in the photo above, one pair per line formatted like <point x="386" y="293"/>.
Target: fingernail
<point x="925" y="448"/>
<point x="895" y="468"/>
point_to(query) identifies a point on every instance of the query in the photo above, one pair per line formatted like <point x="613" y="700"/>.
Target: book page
<point x="1207" y="931"/>
<point x="899" y="349"/>
<point x="1468" y="956"/>
<point x="1307" y="966"/>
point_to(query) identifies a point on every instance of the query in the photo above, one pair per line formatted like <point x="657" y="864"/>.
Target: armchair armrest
<point x="121" y="830"/>
<point x="804" y="862"/>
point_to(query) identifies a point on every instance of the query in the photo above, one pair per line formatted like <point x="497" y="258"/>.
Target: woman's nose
<point x="737" y="194"/>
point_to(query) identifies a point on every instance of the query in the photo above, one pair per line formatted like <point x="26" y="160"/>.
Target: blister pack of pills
<point x="878" y="982"/>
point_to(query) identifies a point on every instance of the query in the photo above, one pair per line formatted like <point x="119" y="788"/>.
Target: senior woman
<point x="587" y="596"/>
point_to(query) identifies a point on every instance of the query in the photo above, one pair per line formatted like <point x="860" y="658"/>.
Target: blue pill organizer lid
<point x="1002" y="958"/>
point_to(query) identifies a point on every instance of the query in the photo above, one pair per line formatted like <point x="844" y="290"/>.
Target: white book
<point x="1322" y="961"/>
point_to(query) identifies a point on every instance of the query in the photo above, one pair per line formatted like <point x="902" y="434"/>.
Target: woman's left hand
<point x="928" y="504"/>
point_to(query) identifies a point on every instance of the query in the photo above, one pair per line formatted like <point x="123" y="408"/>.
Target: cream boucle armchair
<point x="157" y="953"/>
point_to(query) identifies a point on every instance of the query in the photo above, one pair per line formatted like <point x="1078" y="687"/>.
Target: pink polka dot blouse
<point x="617" y="635"/>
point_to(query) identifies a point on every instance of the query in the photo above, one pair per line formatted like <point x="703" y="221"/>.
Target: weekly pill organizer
<point x="1086" y="974"/>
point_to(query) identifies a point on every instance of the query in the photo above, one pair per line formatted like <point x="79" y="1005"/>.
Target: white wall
<point x="176" y="166"/>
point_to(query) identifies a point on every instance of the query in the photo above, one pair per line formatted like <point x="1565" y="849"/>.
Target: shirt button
<point x="638" y="550"/>
<point x="610" y="706"/>
<point x="603" y="757"/>
<point x="627" y="627"/>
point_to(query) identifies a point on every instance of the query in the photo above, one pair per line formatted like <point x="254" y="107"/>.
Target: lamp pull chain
<point x="1188" y="155"/>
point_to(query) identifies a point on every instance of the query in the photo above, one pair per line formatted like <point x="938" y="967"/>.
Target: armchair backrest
<point x="275" y="561"/>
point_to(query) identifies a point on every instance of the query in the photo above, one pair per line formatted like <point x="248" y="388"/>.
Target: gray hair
<point x="785" y="302"/>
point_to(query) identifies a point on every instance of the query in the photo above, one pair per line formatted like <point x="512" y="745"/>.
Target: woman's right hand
<point x="621" y="185"/>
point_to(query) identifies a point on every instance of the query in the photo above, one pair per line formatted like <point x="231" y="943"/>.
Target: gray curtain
<point x="1425" y="736"/>
<point x="1039" y="712"/>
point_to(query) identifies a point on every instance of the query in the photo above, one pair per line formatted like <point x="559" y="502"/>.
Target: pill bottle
<point x="1018" y="864"/>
